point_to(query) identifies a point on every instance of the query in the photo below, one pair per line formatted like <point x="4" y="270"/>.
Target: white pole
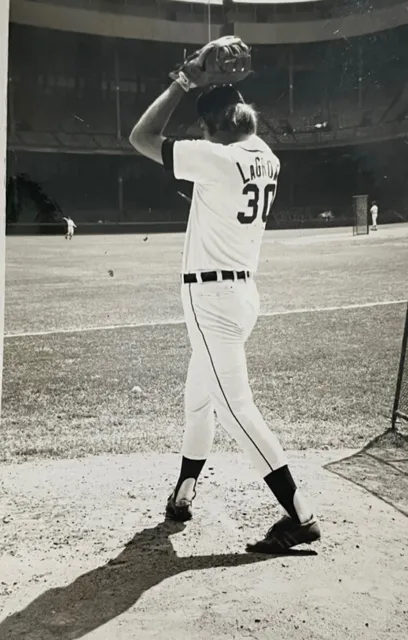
<point x="4" y="27"/>
<point x="209" y="20"/>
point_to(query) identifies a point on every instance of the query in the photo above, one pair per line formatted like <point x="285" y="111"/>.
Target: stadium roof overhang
<point x="219" y="2"/>
<point x="61" y="15"/>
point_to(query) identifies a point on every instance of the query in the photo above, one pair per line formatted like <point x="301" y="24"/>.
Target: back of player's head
<point x="373" y="202"/>
<point x="223" y="110"/>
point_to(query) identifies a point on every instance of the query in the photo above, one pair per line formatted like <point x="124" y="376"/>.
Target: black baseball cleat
<point x="180" y="510"/>
<point x="285" y="534"/>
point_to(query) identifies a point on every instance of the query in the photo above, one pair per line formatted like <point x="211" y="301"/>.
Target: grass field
<point x="322" y="359"/>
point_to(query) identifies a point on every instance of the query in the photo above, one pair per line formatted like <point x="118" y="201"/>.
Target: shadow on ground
<point x="381" y="468"/>
<point x="96" y="597"/>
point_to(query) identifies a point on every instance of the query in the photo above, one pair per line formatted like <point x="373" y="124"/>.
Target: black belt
<point x="212" y="276"/>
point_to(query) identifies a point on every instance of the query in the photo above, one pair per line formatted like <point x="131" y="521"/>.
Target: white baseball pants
<point x="220" y="317"/>
<point x="374" y="217"/>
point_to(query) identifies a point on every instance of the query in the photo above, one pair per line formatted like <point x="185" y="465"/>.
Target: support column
<point x="360" y="64"/>
<point x="291" y="81"/>
<point x="228" y="27"/>
<point x="117" y="91"/>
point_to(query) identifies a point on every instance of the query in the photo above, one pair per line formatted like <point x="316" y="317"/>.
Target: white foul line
<point x="289" y="312"/>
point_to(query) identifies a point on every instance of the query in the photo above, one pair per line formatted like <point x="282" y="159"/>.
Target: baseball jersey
<point x="70" y="225"/>
<point x="234" y="188"/>
<point x="374" y="210"/>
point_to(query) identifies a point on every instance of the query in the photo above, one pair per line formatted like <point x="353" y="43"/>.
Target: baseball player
<point x="235" y="177"/>
<point x="70" y="228"/>
<point x="374" y="215"/>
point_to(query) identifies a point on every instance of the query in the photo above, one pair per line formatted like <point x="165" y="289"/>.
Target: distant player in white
<point x="374" y="215"/>
<point x="70" y="228"/>
<point x="235" y="180"/>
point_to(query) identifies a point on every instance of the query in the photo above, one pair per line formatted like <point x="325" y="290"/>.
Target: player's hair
<point x="236" y="119"/>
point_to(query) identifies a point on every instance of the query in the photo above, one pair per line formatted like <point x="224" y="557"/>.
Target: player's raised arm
<point x="146" y="135"/>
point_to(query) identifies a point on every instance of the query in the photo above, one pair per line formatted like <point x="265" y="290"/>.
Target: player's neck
<point x="225" y="137"/>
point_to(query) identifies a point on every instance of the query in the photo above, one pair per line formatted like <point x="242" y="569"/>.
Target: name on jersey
<point x="258" y="169"/>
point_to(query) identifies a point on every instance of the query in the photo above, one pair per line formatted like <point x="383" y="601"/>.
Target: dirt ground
<point x="86" y="553"/>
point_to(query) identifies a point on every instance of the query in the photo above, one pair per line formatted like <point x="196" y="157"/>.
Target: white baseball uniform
<point x="374" y="215"/>
<point x="70" y="227"/>
<point x="234" y="188"/>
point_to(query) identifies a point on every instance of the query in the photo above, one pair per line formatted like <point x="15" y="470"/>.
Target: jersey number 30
<point x="251" y="189"/>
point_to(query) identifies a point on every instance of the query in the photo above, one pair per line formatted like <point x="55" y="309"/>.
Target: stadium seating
<point x="91" y="98"/>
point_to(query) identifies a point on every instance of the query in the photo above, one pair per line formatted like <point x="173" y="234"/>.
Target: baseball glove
<point x="226" y="60"/>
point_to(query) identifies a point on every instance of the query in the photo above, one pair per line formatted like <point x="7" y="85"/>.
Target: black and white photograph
<point x="204" y="319"/>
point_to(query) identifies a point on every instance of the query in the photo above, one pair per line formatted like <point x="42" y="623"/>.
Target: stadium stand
<point x="73" y="97"/>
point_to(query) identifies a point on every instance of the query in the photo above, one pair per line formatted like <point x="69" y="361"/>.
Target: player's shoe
<point x="285" y="534"/>
<point x="180" y="510"/>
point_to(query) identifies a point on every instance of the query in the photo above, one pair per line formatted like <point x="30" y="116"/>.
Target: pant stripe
<point x="220" y="385"/>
